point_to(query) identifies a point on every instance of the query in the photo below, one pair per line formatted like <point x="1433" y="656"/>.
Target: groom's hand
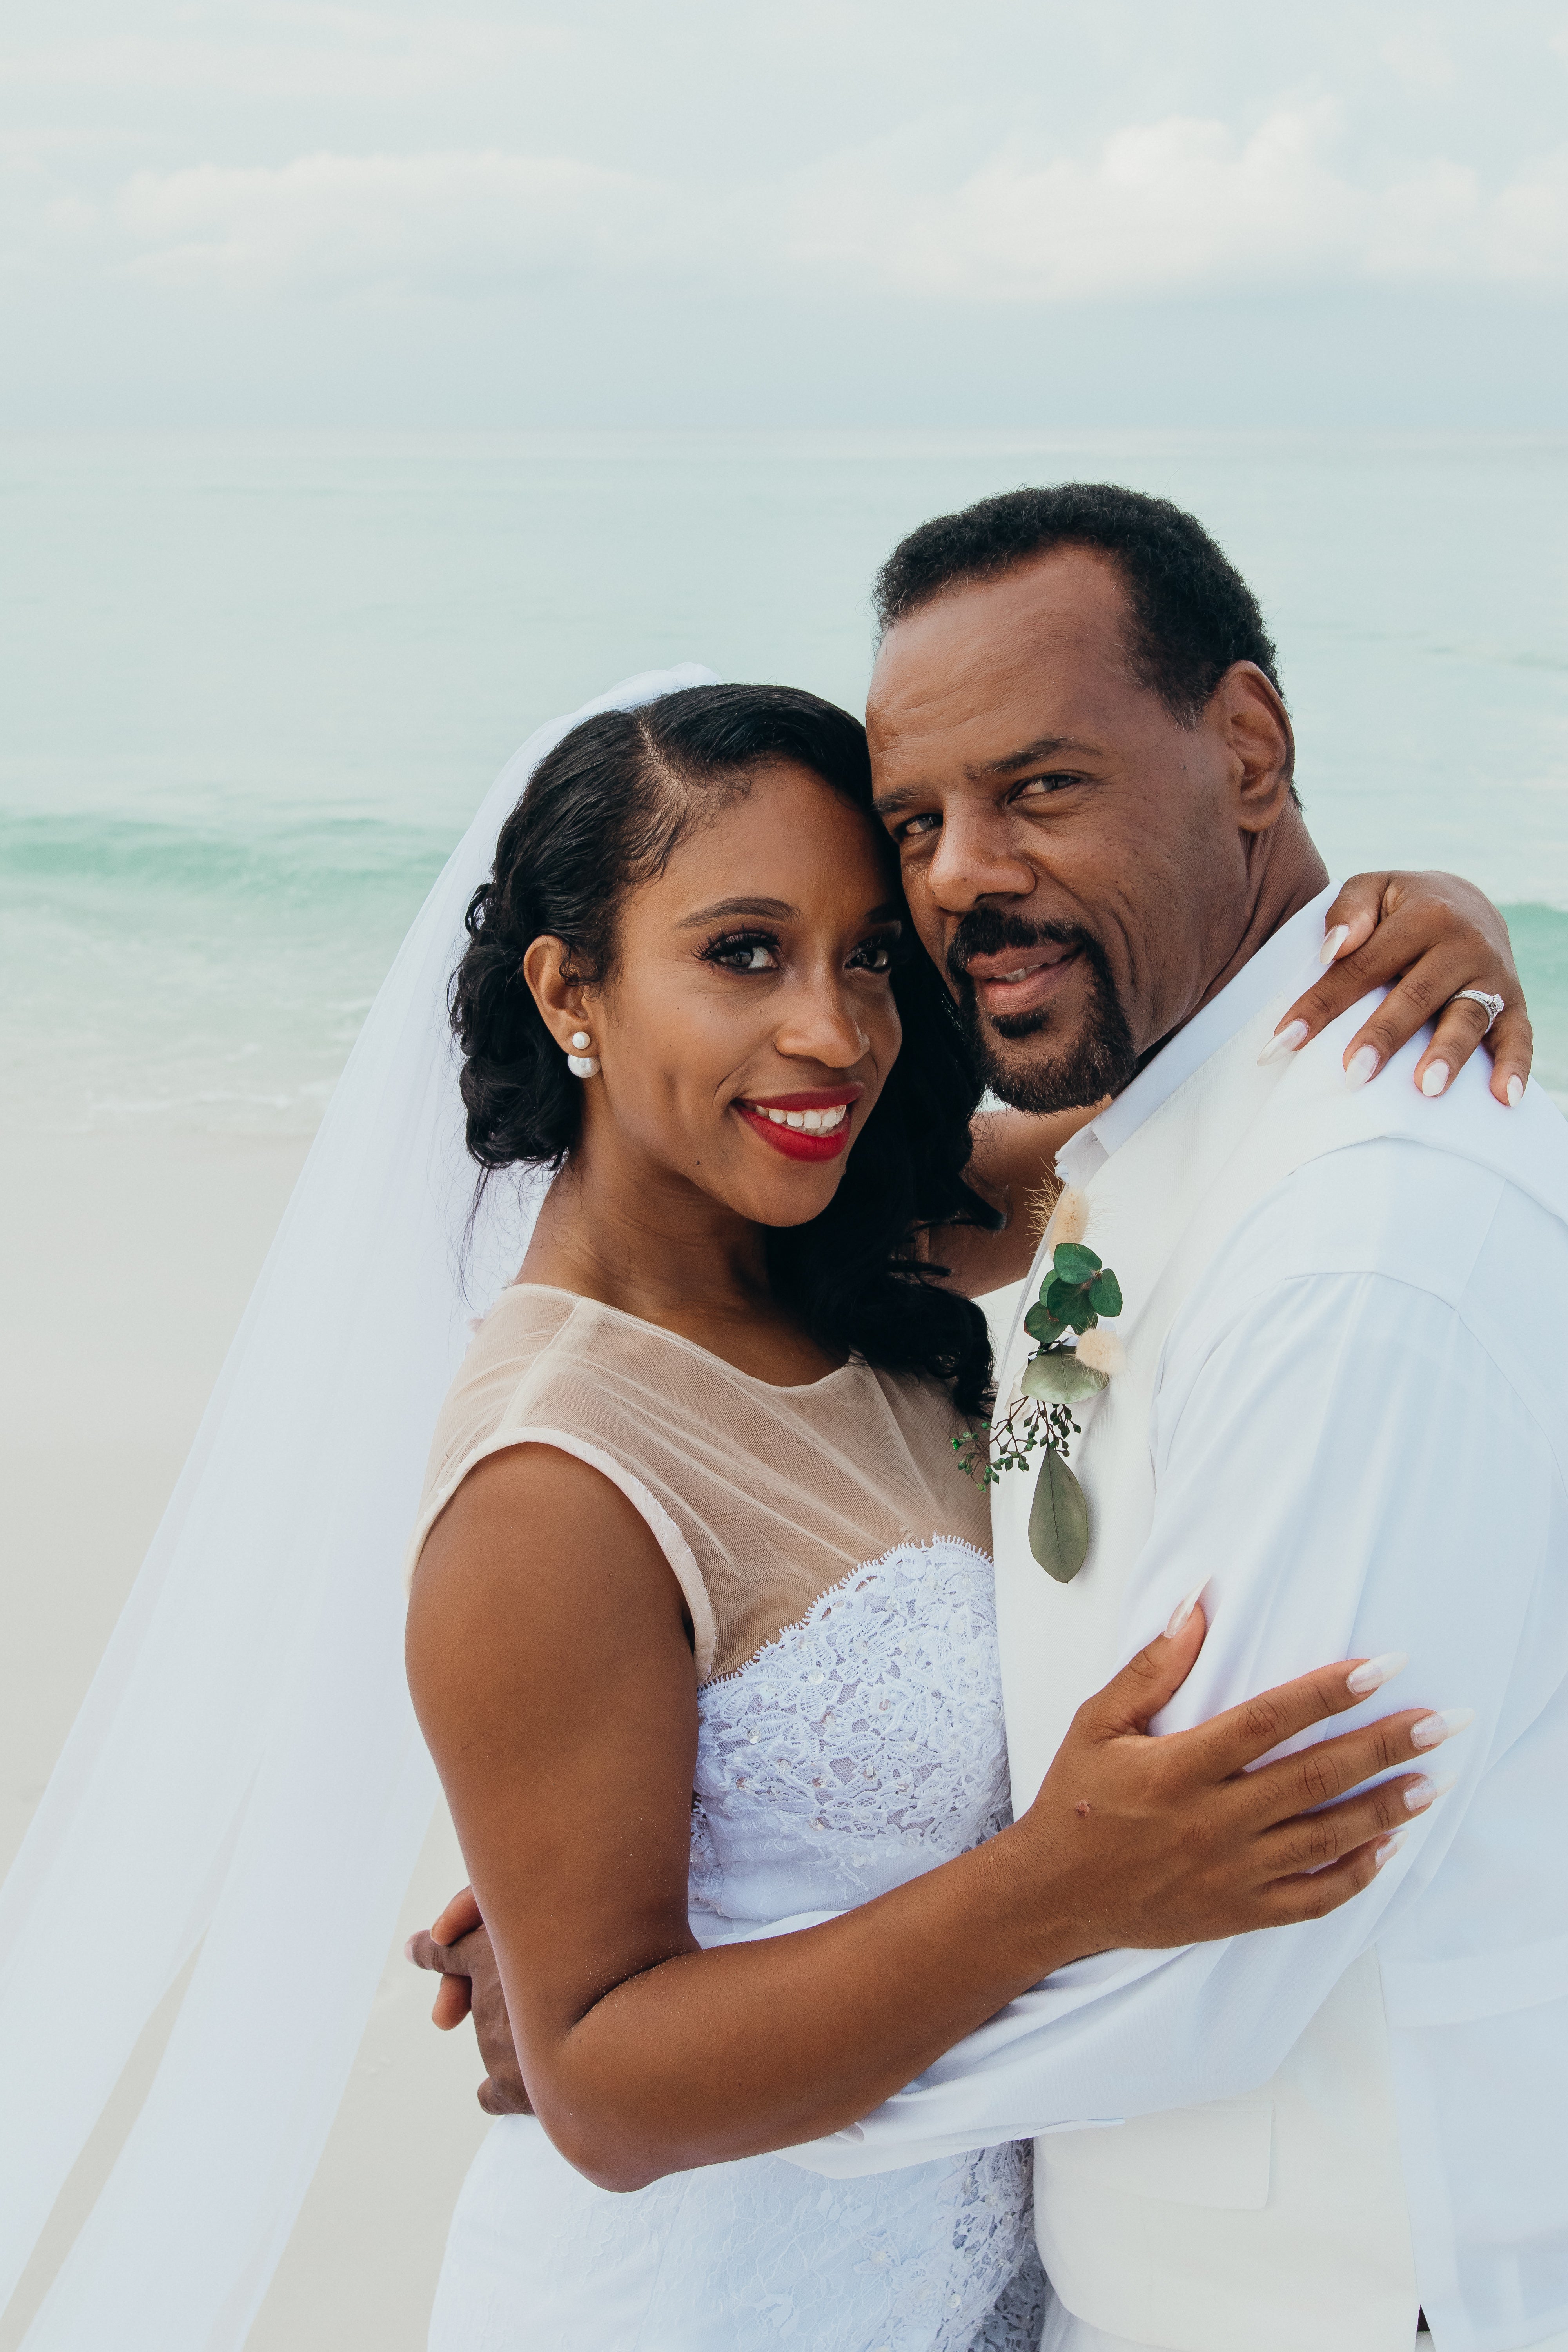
<point x="457" y="1949"/>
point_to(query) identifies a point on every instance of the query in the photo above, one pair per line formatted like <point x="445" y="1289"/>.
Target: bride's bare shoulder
<point x="535" y="1538"/>
<point x="512" y="1504"/>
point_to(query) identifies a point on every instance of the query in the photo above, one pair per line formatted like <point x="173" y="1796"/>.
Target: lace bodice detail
<point x="863" y="1746"/>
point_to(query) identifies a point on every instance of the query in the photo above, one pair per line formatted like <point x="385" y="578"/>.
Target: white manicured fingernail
<point x="1373" y="1673"/>
<point x="1183" y="1610"/>
<point x="1361" y="1065"/>
<point x="1289" y="1041"/>
<point x="1389" y="1848"/>
<point x="1515" y="1091"/>
<point x="1424" y="1792"/>
<point x="1434" y="1077"/>
<point x="1335" y="941"/>
<point x="1433" y="1729"/>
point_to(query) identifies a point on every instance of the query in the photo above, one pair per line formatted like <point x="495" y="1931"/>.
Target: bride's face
<point x="748" y="1025"/>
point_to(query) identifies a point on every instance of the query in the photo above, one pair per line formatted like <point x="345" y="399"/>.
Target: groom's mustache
<point x="986" y="932"/>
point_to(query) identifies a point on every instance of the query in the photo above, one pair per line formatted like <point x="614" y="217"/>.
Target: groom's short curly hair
<point x="1192" y="613"/>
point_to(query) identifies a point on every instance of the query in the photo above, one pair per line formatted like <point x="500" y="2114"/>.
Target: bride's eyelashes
<point x="753" y="951"/>
<point x="748" y="950"/>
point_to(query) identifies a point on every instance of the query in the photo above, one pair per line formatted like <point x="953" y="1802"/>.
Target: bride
<point x="695" y="1521"/>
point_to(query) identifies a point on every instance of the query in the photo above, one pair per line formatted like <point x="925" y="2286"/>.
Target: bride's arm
<point x="552" y="1669"/>
<point x="1422" y="936"/>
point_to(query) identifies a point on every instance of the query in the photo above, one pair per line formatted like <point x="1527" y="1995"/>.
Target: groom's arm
<point x="1355" y="1464"/>
<point x="1011" y="1167"/>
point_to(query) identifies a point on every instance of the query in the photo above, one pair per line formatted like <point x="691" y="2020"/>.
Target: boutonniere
<point x="1076" y="1292"/>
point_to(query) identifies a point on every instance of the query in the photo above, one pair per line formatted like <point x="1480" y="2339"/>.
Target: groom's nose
<point x="978" y="856"/>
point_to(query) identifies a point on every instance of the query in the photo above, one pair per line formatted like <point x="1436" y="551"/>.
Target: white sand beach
<point x="128" y="1260"/>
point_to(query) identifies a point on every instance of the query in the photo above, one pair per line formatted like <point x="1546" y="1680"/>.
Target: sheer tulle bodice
<point x="761" y="1497"/>
<point x="850" y="1738"/>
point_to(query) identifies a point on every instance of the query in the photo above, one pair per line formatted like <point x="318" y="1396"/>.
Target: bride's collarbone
<point x="763" y="1342"/>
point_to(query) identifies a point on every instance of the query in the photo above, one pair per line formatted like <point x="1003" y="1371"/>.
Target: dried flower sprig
<point x="1007" y="1444"/>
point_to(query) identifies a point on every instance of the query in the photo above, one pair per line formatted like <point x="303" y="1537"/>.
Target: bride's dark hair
<point x="603" y="811"/>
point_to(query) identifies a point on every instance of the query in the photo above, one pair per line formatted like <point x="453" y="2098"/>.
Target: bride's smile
<point x="803" y="1126"/>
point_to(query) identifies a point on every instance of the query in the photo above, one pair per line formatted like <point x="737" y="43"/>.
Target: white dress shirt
<point x="1360" y="1443"/>
<point x="1290" y="960"/>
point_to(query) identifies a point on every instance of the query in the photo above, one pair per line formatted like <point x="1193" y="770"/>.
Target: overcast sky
<point x="917" y="211"/>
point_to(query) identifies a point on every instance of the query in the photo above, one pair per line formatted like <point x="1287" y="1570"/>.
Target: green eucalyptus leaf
<point x="1058" y="1520"/>
<point x="1105" y="1294"/>
<point x="1057" y="1298"/>
<point x="1059" y="1379"/>
<point x="1073" y="1263"/>
<point x="1042" y="1327"/>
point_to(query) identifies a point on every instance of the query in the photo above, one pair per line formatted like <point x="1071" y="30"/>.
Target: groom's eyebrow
<point x="1032" y="755"/>
<point x="1049" y="747"/>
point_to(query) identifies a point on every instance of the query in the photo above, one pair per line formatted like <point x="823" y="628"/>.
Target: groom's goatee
<point x="1096" y="1058"/>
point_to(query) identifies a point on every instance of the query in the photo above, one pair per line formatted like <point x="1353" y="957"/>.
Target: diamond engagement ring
<point x="1490" y="1005"/>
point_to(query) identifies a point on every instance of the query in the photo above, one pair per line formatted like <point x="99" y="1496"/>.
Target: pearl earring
<point x="579" y="1060"/>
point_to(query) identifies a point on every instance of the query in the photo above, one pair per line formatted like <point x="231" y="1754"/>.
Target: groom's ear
<point x="1248" y="712"/>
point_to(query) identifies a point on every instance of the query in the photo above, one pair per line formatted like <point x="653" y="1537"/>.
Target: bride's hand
<point x="1430" y="935"/>
<point x="1173" y="1840"/>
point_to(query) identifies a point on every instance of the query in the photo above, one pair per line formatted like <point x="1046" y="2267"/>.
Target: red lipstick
<point x="781" y="1121"/>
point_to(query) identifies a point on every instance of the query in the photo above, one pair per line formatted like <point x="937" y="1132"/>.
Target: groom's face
<point x="1070" y="851"/>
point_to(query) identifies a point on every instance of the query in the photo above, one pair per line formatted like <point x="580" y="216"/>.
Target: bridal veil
<point x="247" y="1763"/>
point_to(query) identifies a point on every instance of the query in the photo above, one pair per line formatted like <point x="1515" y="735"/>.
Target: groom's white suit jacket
<point x="1346" y="1324"/>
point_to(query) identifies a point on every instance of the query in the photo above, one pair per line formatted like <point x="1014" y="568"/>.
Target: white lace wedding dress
<point x="850" y="1736"/>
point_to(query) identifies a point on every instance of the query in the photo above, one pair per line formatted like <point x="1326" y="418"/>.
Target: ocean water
<point x="255" y="685"/>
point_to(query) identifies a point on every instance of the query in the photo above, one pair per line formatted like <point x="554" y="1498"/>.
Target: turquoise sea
<point x="254" y="684"/>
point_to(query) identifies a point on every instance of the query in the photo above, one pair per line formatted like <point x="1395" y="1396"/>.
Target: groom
<point x="1341" y="1420"/>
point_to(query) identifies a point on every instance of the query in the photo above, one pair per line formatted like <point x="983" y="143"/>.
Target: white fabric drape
<point x="246" y="1770"/>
